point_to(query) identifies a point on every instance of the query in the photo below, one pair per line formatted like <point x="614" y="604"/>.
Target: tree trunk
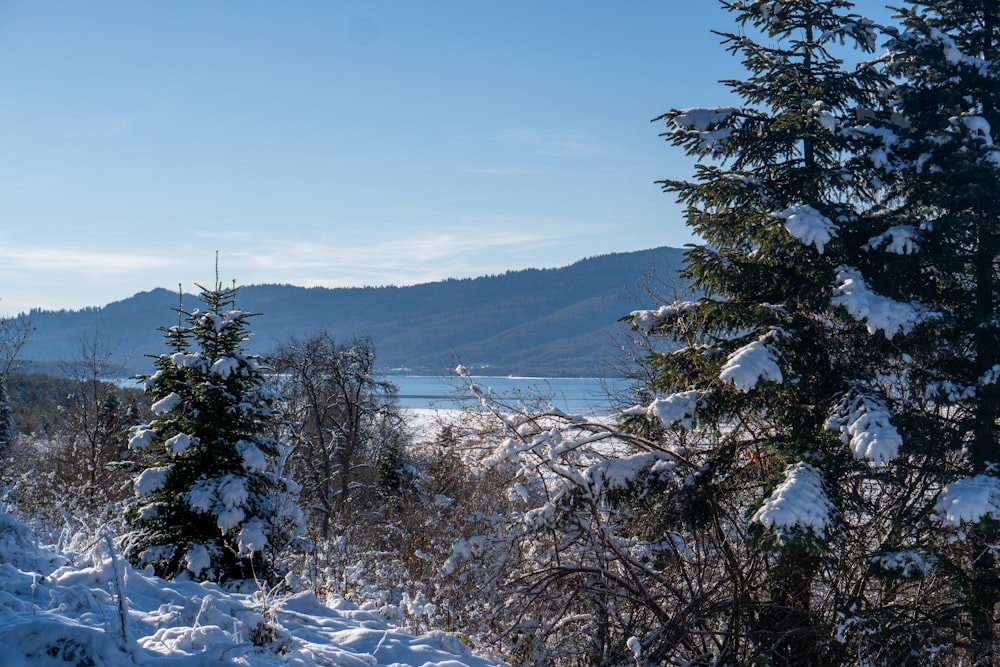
<point x="985" y="582"/>
<point x="788" y="635"/>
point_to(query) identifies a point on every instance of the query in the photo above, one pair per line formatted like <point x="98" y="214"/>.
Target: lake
<point x="573" y="395"/>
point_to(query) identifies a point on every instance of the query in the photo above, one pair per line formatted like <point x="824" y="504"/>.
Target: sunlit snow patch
<point x="750" y="364"/>
<point x="166" y="404"/>
<point x="969" y="500"/>
<point x="675" y="410"/>
<point x="808" y="225"/>
<point x="150" y="481"/>
<point x="647" y="320"/>
<point x="879" y="313"/>
<point x="798" y="503"/>
<point x="953" y="54"/>
<point x="225" y="366"/>
<point x="898" y="240"/>
<point x="140" y="437"/>
<point x="179" y="443"/>
<point x="703" y="124"/>
<point x="863" y="423"/>
<point x="63" y="611"/>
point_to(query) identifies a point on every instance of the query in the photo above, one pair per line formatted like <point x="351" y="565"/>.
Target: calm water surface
<point x="575" y="395"/>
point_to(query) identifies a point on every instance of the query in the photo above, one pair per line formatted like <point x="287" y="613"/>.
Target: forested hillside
<point x="532" y="322"/>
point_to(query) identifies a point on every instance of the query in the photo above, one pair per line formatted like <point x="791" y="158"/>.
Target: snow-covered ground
<point x="62" y="609"/>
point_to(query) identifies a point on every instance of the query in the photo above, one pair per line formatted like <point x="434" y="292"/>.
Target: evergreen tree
<point x="791" y="356"/>
<point x="210" y="502"/>
<point x="943" y="172"/>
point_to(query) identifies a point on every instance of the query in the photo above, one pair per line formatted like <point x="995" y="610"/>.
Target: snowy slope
<point x="63" y="609"/>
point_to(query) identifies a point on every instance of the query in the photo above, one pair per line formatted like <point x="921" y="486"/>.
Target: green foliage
<point x="210" y="502"/>
<point x="793" y="382"/>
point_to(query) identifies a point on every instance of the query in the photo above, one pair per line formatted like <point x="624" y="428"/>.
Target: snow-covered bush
<point x="70" y="449"/>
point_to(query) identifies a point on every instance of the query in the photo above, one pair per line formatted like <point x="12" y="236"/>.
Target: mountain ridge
<point x="552" y="322"/>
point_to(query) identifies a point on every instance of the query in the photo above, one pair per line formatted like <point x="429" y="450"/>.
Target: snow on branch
<point x="178" y="444"/>
<point x="863" y="423"/>
<point x="798" y="503"/>
<point x="150" y="481"/>
<point x="879" y="313"/>
<point x="140" y="437"/>
<point x="907" y="563"/>
<point x="898" y="240"/>
<point x="860" y="28"/>
<point x="808" y="225"/>
<point x="750" y="364"/>
<point x="647" y="320"/>
<point x="675" y="410"/>
<point x="887" y="136"/>
<point x="977" y="126"/>
<point x="166" y="404"/>
<point x="991" y="376"/>
<point x="623" y="471"/>
<point x="223" y="497"/>
<point x="882" y="157"/>
<point x="980" y="129"/>
<point x="823" y="116"/>
<point x="187" y="360"/>
<point x="252" y="536"/>
<point x="953" y="54"/>
<point x="225" y="366"/>
<point x="703" y="124"/>
<point x="198" y="559"/>
<point x="969" y="500"/>
<point x="945" y="392"/>
<point x="253" y="458"/>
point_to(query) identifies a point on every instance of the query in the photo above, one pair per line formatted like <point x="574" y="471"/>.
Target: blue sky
<point x="336" y="143"/>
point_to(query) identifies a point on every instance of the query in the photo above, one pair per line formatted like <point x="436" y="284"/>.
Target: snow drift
<point x="66" y="609"/>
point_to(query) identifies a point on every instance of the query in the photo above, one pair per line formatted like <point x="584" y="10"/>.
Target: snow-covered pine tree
<point x="944" y="171"/>
<point x="210" y="503"/>
<point x="791" y="353"/>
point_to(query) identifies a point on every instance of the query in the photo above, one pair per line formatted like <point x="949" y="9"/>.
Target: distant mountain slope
<point x="547" y="322"/>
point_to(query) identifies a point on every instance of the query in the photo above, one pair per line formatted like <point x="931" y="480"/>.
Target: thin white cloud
<point x="56" y="278"/>
<point x="420" y="252"/>
<point x="227" y="235"/>
<point x="19" y="259"/>
<point x="488" y="247"/>
<point x="558" y="144"/>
